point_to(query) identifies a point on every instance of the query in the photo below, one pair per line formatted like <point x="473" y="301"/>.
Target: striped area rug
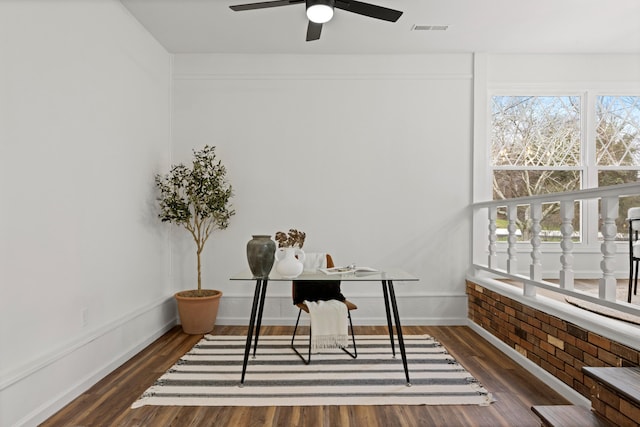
<point x="209" y="375"/>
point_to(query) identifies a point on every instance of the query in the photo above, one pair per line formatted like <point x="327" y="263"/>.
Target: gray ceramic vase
<point x="261" y="254"/>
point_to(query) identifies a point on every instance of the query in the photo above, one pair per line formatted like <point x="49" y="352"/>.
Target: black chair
<point x="634" y="258"/>
<point x="312" y="290"/>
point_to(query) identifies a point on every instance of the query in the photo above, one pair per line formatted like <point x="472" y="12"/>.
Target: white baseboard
<point x="567" y="392"/>
<point x="63" y="374"/>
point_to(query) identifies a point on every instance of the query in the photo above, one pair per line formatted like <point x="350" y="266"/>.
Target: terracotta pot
<point x="198" y="313"/>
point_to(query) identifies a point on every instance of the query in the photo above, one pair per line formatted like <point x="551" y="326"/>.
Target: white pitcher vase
<point x="290" y="262"/>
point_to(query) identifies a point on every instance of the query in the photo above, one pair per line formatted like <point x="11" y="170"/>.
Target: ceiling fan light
<point x="320" y="11"/>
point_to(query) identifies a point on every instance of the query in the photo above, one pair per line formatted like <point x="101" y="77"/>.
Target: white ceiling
<point x="491" y="26"/>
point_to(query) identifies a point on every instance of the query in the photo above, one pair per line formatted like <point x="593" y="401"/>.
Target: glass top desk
<point x="386" y="277"/>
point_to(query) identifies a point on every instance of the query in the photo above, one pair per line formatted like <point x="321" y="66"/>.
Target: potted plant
<point x="199" y="199"/>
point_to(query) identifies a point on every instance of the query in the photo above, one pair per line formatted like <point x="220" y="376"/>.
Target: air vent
<point x="429" y="27"/>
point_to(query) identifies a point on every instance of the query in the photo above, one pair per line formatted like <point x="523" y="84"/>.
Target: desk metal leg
<point x="259" y="320"/>
<point x="389" y="325"/>
<point x="252" y="319"/>
<point x="396" y="316"/>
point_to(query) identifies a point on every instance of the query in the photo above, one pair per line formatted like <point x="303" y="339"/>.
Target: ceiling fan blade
<point x="264" y="4"/>
<point x="369" y="10"/>
<point x="313" y="31"/>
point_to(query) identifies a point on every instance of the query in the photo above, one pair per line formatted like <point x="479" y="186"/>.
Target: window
<point x="539" y="145"/>
<point x="618" y="147"/>
<point x="618" y="132"/>
<point x="536" y="149"/>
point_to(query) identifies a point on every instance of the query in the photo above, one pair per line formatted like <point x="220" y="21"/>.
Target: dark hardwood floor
<point x="514" y="390"/>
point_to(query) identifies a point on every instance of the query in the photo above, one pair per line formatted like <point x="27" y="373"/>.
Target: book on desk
<point x="348" y="269"/>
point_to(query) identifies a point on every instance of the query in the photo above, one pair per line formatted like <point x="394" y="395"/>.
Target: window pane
<point x="550" y="223"/>
<point x="618" y="130"/>
<point x="613" y="177"/>
<point x="508" y="184"/>
<point x="535" y="131"/>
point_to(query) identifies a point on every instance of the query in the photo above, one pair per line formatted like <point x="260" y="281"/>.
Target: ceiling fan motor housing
<point x="320" y="11"/>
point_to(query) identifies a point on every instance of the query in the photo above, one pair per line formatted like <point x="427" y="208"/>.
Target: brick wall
<point x="614" y="407"/>
<point x="559" y="347"/>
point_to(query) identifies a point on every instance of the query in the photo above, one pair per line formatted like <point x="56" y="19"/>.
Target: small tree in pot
<point x="198" y="199"/>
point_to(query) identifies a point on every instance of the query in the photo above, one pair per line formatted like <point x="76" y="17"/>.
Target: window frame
<point x="588" y="168"/>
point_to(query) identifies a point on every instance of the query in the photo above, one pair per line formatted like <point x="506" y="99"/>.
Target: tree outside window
<point x="537" y="147"/>
<point x="618" y="148"/>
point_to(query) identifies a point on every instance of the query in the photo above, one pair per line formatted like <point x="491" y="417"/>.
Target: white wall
<point x="84" y="125"/>
<point x="369" y="155"/>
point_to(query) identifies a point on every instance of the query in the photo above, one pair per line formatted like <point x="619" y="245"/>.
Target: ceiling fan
<point x="321" y="11"/>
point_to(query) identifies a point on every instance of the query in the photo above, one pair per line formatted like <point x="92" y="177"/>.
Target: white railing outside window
<point x="486" y="262"/>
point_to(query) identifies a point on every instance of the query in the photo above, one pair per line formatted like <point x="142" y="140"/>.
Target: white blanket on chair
<point x="329" y="327"/>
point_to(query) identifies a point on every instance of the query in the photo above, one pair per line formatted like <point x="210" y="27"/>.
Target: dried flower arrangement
<point x="294" y="239"/>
